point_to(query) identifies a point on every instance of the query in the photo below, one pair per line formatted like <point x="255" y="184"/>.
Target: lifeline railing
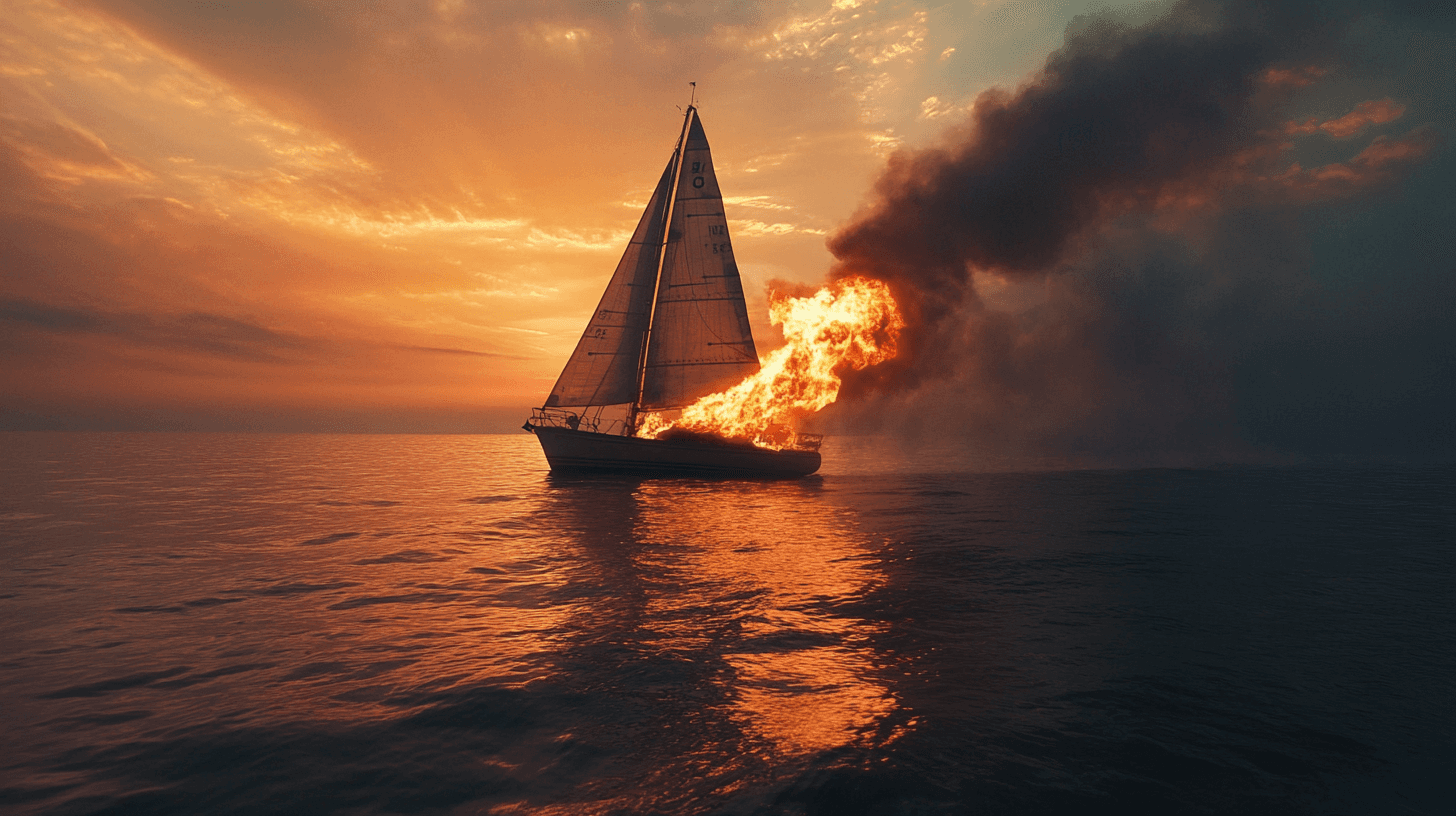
<point x="561" y="418"/>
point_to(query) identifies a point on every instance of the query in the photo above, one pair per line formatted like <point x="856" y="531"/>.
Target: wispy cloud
<point x="1370" y="112"/>
<point x="755" y="228"/>
<point x="757" y="202"/>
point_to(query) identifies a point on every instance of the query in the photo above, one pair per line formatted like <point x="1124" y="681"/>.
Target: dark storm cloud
<point x="197" y="332"/>
<point x="1116" y="109"/>
<point x="459" y="351"/>
<point x="1140" y="202"/>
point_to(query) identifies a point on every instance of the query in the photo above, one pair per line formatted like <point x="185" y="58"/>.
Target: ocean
<point x="238" y="624"/>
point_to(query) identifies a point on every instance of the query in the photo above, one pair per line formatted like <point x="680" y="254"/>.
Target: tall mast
<point x="661" y="254"/>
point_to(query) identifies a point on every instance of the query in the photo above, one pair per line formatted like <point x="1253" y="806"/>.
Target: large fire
<point x="853" y="322"/>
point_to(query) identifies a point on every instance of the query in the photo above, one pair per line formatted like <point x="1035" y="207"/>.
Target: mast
<point x="661" y="254"/>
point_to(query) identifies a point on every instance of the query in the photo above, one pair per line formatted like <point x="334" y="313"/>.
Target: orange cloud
<point x="1372" y="112"/>
<point x="1264" y="173"/>
<point x="1385" y="161"/>
<point x="1292" y="77"/>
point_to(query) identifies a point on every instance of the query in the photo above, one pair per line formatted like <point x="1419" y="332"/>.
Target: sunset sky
<point x="397" y="215"/>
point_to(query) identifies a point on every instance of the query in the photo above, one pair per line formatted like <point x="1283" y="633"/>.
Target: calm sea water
<point x="197" y="623"/>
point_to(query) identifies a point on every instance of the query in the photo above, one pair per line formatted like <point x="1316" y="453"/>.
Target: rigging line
<point x="667" y="214"/>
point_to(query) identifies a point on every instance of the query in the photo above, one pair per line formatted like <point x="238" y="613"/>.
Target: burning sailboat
<point x="671" y="333"/>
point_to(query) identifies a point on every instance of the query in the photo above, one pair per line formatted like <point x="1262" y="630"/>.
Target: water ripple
<point x="256" y="623"/>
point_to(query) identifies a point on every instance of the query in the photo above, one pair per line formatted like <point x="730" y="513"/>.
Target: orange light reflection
<point x="781" y="565"/>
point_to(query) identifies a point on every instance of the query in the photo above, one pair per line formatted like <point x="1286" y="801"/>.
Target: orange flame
<point x="853" y="322"/>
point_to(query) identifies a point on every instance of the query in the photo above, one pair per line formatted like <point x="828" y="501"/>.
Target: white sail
<point x="700" y="340"/>
<point x="604" y="368"/>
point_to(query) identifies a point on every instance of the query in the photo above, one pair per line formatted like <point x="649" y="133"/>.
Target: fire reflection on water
<point x="627" y="645"/>
<point x="250" y="623"/>
<point x="809" y="699"/>
<point x="752" y="585"/>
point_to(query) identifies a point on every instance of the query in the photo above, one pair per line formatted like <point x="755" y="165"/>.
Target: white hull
<point x="567" y="450"/>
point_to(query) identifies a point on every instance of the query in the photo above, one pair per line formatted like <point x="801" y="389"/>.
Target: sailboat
<point x="671" y="327"/>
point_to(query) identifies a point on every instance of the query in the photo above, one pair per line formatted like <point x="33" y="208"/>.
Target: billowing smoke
<point x="1089" y="265"/>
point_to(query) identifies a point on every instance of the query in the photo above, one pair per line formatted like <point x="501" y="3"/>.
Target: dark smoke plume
<point x="1118" y="113"/>
<point x="1040" y="184"/>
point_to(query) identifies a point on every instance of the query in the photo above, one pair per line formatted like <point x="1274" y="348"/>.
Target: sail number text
<point x="720" y="248"/>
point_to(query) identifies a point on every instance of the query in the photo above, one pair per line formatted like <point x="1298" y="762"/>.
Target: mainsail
<point x="604" y="368"/>
<point x="700" y="340"/>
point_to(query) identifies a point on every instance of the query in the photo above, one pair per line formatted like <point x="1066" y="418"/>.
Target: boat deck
<point x="570" y="450"/>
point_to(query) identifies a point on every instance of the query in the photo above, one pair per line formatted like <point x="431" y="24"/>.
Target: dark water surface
<point x="196" y="623"/>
